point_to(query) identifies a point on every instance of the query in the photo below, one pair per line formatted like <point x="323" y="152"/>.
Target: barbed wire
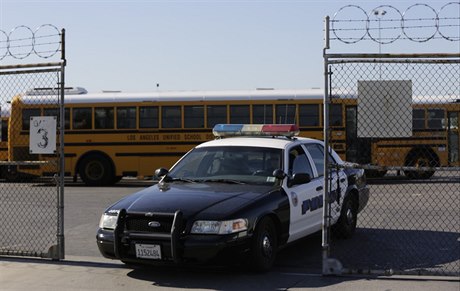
<point x="385" y="24"/>
<point x="22" y="41"/>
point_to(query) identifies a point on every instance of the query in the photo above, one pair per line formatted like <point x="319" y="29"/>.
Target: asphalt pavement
<point x="297" y="267"/>
<point x="96" y="274"/>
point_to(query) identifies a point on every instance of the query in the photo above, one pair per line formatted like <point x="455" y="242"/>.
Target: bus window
<point x="216" y="114"/>
<point x="309" y="115"/>
<point x="126" y="117"/>
<point x="262" y="114"/>
<point x="418" y="119"/>
<point x="194" y="116"/>
<point x="453" y="137"/>
<point x="239" y="114"/>
<point x="26" y="114"/>
<point x="335" y="115"/>
<point x="55" y="112"/>
<point x="81" y="118"/>
<point x="171" y="117"/>
<point x="148" y="117"/>
<point x="436" y="119"/>
<point x="285" y="113"/>
<point x="103" y="118"/>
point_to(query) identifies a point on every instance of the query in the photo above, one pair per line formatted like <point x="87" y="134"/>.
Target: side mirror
<point x="299" y="178"/>
<point x="160" y="172"/>
<point x="279" y="174"/>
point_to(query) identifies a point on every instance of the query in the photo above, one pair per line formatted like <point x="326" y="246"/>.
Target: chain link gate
<point x="397" y="117"/>
<point x="31" y="151"/>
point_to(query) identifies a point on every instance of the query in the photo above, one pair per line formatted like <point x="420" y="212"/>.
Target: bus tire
<point x="96" y="170"/>
<point x="10" y="173"/>
<point x="421" y="159"/>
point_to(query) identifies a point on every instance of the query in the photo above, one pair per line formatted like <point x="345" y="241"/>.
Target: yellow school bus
<point x="4" y="119"/>
<point x="111" y="135"/>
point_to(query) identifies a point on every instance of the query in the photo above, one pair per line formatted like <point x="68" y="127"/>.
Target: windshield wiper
<point x="228" y="181"/>
<point x="171" y="179"/>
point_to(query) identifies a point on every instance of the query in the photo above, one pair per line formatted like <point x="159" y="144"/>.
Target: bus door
<point x="358" y="149"/>
<point x="453" y="138"/>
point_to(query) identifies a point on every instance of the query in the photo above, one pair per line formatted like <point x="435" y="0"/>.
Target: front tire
<point x="96" y="170"/>
<point x="264" y="246"/>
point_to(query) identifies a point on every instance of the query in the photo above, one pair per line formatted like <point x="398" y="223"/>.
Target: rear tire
<point x="346" y="225"/>
<point x="10" y="173"/>
<point x="96" y="170"/>
<point x="264" y="246"/>
<point x="420" y="159"/>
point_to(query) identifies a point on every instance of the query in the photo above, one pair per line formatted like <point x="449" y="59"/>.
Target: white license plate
<point x="148" y="251"/>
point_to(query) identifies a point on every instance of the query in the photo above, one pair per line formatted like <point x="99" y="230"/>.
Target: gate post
<point x="330" y="266"/>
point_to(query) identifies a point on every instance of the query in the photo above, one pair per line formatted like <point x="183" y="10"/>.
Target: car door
<point x="305" y="198"/>
<point x="339" y="182"/>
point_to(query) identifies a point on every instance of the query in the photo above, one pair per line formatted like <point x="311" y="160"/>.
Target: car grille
<point x="141" y="223"/>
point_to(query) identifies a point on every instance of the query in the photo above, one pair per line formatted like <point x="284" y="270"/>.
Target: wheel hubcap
<point x="94" y="170"/>
<point x="267" y="246"/>
<point x="350" y="216"/>
<point x="422" y="163"/>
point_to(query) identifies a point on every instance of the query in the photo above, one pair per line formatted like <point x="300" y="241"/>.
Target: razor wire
<point x="386" y="24"/>
<point x="22" y="41"/>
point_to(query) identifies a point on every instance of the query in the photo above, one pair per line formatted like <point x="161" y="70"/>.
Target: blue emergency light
<point x="225" y="130"/>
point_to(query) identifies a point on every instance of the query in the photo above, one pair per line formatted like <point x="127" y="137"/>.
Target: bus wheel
<point x="96" y="170"/>
<point x="10" y="173"/>
<point x="417" y="160"/>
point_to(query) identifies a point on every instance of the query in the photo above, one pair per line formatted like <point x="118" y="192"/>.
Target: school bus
<point x="434" y="141"/>
<point x="4" y="118"/>
<point x="111" y="135"/>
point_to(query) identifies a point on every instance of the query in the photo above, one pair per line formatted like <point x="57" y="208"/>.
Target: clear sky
<point x="200" y="45"/>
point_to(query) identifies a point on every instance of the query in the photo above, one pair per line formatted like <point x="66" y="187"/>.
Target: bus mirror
<point x="160" y="172"/>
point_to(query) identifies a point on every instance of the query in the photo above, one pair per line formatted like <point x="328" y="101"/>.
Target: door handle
<point x="319" y="188"/>
<point x="342" y="180"/>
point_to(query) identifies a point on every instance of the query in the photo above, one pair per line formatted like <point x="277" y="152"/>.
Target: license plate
<point x="148" y="251"/>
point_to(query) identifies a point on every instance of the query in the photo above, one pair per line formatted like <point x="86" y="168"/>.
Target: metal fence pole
<point x="61" y="241"/>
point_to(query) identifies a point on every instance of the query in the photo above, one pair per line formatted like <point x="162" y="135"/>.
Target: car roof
<point x="256" y="141"/>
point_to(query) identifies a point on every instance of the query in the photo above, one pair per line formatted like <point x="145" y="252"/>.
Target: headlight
<point x="219" y="227"/>
<point x="108" y="221"/>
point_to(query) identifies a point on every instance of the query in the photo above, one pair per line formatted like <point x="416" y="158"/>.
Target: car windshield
<point x="230" y="164"/>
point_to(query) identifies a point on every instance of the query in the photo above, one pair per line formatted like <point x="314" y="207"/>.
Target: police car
<point x="252" y="190"/>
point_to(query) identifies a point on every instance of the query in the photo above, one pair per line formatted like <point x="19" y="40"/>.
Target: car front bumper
<point x="190" y="248"/>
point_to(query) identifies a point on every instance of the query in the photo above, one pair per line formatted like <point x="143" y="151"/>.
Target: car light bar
<point x="223" y="130"/>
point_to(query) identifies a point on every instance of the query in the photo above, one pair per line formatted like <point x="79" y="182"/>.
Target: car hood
<point x="214" y="200"/>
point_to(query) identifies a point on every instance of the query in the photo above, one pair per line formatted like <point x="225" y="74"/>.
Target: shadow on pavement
<point x="416" y="251"/>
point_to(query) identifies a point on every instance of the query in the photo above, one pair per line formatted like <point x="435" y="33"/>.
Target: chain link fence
<point x="31" y="172"/>
<point x="401" y="125"/>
